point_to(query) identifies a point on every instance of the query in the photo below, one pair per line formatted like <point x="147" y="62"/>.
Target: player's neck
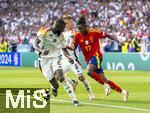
<point x="70" y="28"/>
<point x="55" y="31"/>
<point x="85" y="33"/>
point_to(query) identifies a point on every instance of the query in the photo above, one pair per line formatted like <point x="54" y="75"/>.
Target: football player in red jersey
<point x="88" y="40"/>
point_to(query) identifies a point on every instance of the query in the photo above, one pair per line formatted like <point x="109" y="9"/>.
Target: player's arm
<point x="115" y="39"/>
<point x="64" y="49"/>
<point x="71" y="47"/>
<point x="38" y="48"/>
<point x="66" y="53"/>
<point x="74" y="43"/>
<point x="102" y="34"/>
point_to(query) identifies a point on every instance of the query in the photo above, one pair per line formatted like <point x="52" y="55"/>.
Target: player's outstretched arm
<point x="115" y="39"/>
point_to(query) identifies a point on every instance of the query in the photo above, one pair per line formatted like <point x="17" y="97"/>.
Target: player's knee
<point x="59" y="75"/>
<point x="104" y="77"/>
<point x="54" y="83"/>
<point x="81" y="78"/>
<point x="56" y="86"/>
<point x="61" y="78"/>
<point x="89" y="72"/>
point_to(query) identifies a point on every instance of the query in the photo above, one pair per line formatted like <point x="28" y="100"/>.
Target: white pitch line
<point x="104" y="105"/>
<point x="101" y="105"/>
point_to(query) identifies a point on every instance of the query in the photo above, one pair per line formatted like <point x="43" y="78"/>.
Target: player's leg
<point x="76" y="68"/>
<point x="94" y="69"/>
<point x="67" y="86"/>
<point x="87" y="86"/>
<point x="74" y="83"/>
<point x="91" y="72"/>
<point x="113" y="85"/>
<point x="117" y="88"/>
<point x="58" y="72"/>
<point x="55" y="86"/>
<point x="45" y="67"/>
<point x="66" y="68"/>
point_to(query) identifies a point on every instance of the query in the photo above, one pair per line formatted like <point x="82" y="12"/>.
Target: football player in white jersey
<point x="75" y="66"/>
<point x="48" y="44"/>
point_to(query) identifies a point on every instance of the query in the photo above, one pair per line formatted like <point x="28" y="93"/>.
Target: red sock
<point x="114" y="86"/>
<point x="97" y="77"/>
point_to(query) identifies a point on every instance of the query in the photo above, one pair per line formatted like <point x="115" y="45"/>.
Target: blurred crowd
<point x="128" y="20"/>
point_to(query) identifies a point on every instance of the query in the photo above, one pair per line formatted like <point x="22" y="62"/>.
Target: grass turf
<point x="136" y="82"/>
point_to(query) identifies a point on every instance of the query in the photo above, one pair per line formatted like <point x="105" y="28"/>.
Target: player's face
<point x="69" y="23"/>
<point x="82" y="28"/>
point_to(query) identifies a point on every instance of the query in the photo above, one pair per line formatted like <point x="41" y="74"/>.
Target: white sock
<point x="69" y="80"/>
<point x="87" y="87"/>
<point x="105" y="85"/>
<point x="53" y="87"/>
<point x="67" y="86"/>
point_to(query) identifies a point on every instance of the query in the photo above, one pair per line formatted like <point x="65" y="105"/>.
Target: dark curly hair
<point x="81" y="20"/>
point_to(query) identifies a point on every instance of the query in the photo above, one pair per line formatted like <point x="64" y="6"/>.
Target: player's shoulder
<point x="93" y="30"/>
<point x="77" y="34"/>
<point x="43" y="30"/>
<point x="97" y="31"/>
<point x="46" y="27"/>
<point x="66" y="33"/>
<point x="73" y="31"/>
<point x="69" y="32"/>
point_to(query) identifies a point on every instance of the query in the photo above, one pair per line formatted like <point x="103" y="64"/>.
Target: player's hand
<point x="121" y="43"/>
<point x="71" y="60"/>
<point x="70" y="47"/>
<point x="45" y="52"/>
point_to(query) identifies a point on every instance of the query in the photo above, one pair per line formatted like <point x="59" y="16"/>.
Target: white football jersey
<point x="50" y="41"/>
<point x="68" y="37"/>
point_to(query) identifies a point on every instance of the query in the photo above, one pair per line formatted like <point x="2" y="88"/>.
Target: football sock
<point x="114" y="86"/>
<point x="69" y="80"/>
<point x="98" y="78"/>
<point x="87" y="87"/>
<point x="67" y="86"/>
<point x="53" y="88"/>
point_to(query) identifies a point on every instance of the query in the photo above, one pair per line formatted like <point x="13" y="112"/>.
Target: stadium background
<point x="129" y="21"/>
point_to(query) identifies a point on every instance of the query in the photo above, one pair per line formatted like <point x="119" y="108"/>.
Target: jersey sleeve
<point x="100" y="34"/>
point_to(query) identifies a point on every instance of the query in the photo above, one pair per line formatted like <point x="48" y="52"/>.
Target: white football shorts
<point x="49" y="66"/>
<point x="75" y="67"/>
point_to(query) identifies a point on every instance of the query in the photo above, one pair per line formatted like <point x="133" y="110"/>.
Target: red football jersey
<point x="89" y="43"/>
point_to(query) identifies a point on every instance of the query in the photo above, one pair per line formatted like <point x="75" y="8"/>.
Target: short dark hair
<point x="59" y="22"/>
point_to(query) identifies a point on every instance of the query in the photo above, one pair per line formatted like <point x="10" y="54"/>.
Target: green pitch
<point x="136" y="82"/>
